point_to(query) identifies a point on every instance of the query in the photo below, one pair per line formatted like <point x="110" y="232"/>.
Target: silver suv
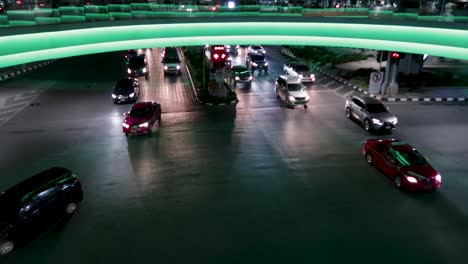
<point x="371" y="112"/>
<point x="291" y="91"/>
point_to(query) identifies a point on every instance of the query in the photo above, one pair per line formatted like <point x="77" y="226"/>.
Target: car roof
<point x="21" y="190"/>
<point x="368" y="99"/>
<point x="125" y="82"/>
<point x="289" y="79"/>
<point x="143" y="104"/>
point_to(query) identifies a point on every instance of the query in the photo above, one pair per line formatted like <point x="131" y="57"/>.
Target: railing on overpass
<point x="42" y="13"/>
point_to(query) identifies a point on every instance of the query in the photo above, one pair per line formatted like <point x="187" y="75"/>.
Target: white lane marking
<point x="348" y="94"/>
<point x="26" y="103"/>
<point x="341" y="87"/>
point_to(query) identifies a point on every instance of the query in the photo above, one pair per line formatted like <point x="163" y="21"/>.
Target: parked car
<point x="291" y="91"/>
<point x="241" y="74"/>
<point x="36" y="203"/>
<point x="137" y="66"/>
<point x="402" y="163"/>
<point x="300" y="71"/>
<point x="141" y="118"/>
<point x="256" y="62"/>
<point x="126" y="90"/>
<point x="371" y="112"/>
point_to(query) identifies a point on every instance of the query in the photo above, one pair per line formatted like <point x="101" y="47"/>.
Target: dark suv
<point x="256" y="62"/>
<point x="35" y="203"/>
<point x="137" y="66"/>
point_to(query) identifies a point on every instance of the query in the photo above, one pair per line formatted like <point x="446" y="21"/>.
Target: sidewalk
<point x="454" y="68"/>
<point x="12" y="72"/>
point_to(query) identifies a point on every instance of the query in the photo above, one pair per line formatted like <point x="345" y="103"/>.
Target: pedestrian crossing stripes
<point x="13" y="104"/>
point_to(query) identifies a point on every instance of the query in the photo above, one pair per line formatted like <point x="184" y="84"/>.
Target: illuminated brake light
<point x="19" y="2"/>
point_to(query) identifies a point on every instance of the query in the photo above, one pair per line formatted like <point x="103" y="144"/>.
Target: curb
<point x="288" y="53"/>
<point x="14" y="73"/>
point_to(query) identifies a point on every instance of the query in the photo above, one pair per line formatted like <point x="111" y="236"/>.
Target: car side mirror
<point x="125" y="114"/>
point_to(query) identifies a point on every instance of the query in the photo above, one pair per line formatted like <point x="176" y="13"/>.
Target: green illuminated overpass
<point x="20" y="45"/>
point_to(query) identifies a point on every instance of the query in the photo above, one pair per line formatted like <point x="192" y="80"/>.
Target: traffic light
<point x="218" y="57"/>
<point x="394" y="58"/>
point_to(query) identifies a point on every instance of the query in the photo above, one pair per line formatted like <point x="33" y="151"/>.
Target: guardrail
<point x="36" y="15"/>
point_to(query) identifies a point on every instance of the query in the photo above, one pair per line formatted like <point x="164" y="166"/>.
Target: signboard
<point x="375" y="82"/>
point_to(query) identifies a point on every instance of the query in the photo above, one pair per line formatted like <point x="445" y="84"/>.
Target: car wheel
<point x="6" y="247"/>
<point x="369" y="158"/>
<point x="146" y="77"/>
<point x="397" y="181"/>
<point x="126" y="134"/>
<point x="305" y="106"/>
<point x="70" y="208"/>
<point x="277" y="94"/>
<point x="367" y="125"/>
<point x="348" y="113"/>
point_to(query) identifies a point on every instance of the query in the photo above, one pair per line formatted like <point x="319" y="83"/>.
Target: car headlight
<point x="307" y="97"/>
<point x="237" y="46"/>
<point x="250" y="78"/>
<point x="266" y="63"/>
<point x="291" y="98"/>
<point x="114" y="96"/>
<point x="165" y="67"/>
<point x="132" y="94"/>
<point x="237" y="78"/>
<point x="300" y="76"/>
<point x="178" y="67"/>
<point x="395" y="121"/>
<point x="145" y="124"/>
<point x="254" y="64"/>
<point x="129" y="71"/>
<point x="264" y="51"/>
<point x="312" y="76"/>
<point x="125" y="125"/>
<point x="438" y="178"/>
<point x="411" y="179"/>
<point x="376" y="121"/>
<point x="144" y="69"/>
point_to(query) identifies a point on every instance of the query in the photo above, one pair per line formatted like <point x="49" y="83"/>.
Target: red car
<point x="402" y="163"/>
<point x="141" y="118"/>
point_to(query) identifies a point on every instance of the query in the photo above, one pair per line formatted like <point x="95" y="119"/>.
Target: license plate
<point x="134" y="130"/>
<point x="428" y="187"/>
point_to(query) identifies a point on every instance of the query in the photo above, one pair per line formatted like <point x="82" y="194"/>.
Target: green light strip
<point x="19" y="49"/>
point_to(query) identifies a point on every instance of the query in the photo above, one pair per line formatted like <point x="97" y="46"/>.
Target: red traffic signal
<point x="395" y="55"/>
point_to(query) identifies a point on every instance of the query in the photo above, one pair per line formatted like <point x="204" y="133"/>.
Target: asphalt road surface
<point x="256" y="183"/>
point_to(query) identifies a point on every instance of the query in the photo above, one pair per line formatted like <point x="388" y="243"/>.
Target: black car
<point x="29" y="207"/>
<point x="256" y="62"/>
<point x="241" y="74"/>
<point x="129" y="54"/>
<point x="137" y="66"/>
<point x="126" y="90"/>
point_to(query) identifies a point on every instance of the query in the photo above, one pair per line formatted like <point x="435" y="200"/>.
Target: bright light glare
<point x="237" y="78"/>
<point x="125" y="125"/>
<point x="114" y="96"/>
<point x="411" y="179"/>
<point x="165" y="67"/>
<point x="376" y="121"/>
<point x="144" y="69"/>
<point x="129" y="71"/>
<point x="144" y="124"/>
<point x="178" y="67"/>
<point x="231" y="4"/>
<point x="132" y="94"/>
<point x="438" y="178"/>
<point x="291" y="98"/>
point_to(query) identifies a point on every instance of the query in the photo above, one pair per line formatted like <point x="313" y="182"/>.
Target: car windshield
<point x="376" y="108"/>
<point x="410" y="158"/>
<point x="295" y="87"/>
<point x="239" y="69"/>
<point x="136" y="63"/>
<point x="257" y="58"/>
<point x="124" y="85"/>
<point x="171" y="60"/>
<point x="256" y="47"/>
<point x="139" y="112"/>
<point x="302" y="68"/>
